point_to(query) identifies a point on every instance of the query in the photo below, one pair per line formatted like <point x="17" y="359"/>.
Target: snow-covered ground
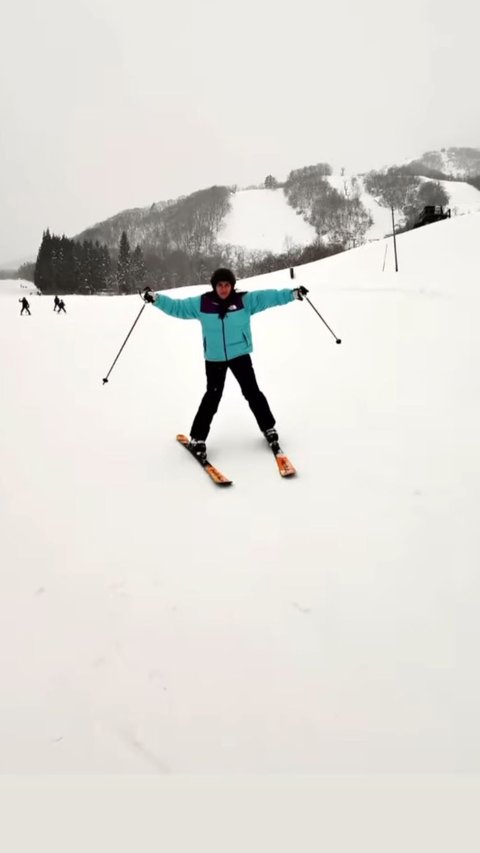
<point x="463" y="197"/>
<point x="263" y="220"/>
<point x="151" y="622"/>
<point x="17" y="287"/>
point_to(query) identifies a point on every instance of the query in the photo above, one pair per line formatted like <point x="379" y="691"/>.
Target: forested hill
<point x="459" y="163"/>
<point x="189" y="223"/>
<point x="312" y="213"/>
<point x="336" y="207"/>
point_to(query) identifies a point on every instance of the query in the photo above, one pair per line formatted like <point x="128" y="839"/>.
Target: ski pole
<point x="385" y="257"/>
<point x="125" y="341"/>
<point x="337" y="340"/>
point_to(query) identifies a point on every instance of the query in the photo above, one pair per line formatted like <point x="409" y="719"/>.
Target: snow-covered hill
<point x="455" y="161"/>
<point x="258" y="220"/>
<point x="262" y="220"/>
<point x="150" y="622"/>
<point x="464" y="198"/>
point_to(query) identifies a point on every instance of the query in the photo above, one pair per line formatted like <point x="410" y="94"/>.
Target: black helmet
<point x="222" y="275"/>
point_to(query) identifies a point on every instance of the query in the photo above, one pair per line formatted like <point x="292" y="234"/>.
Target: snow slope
<point x="17" y="286"/>
<point x="463" y="197"/>
<point x="263" y="220"/>
<point x="152" y="623"/>
<point x="381" y="216"/>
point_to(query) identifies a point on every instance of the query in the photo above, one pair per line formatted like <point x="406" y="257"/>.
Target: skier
<point x="56" y="303"/>
<point x="25" y="306"/>
<point x="227" y="342"/>
<point x="61" y="306"/>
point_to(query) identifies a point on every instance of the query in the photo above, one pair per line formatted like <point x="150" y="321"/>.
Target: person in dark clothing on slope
<point x="25" y="306"/>
<point x="61" y="306"/>
<point x="56" y="303"/>
<point x="224" y="314"/>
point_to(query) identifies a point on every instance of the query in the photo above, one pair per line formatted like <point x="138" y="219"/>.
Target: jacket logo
<point x="232" y="308"/>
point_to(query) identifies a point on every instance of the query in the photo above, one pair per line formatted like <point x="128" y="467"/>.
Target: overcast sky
<point x="107" y="105"/>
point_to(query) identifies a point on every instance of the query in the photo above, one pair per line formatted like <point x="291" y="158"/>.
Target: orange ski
<point x="215" y="475"/>
<point x="285" y="467"/>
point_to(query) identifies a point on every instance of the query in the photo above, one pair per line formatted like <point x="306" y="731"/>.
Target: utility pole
<point x="394" y="239"/>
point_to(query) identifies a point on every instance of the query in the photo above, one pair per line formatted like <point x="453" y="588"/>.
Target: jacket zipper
<point x="224" y="341"/>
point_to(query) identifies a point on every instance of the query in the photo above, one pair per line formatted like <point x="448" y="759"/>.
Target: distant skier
<point x="61" y="306"/>
<point x="25" y="306"/>
<point x="56" y="303"/>
<point x="227" y="342"/>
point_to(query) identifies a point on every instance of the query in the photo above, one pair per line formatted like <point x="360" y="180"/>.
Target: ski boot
<point x="272" y="438"/>
<point x="199" y="449"/>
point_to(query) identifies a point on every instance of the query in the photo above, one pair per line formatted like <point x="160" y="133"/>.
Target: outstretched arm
<point x="184" y="309"/>
<point x="260" y="300"/>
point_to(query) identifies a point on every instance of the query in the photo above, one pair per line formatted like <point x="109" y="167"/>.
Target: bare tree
<point x="396" y="190"/>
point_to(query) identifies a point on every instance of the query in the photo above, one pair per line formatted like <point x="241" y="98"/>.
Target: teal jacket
<point x="225" y="324"/>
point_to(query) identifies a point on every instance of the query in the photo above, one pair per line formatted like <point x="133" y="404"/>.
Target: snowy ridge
<point x="151" y="623"/>
<point x="458" y="162"/>
<point x="262" y="220"/>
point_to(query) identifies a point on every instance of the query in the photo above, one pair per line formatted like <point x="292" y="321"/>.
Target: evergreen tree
<point x="64" y="266"/>
<point x="77" y="266"/>
<point x="138" y="268"/>
<point x="84" y="280"/>
<point x="26" y="271"/>
<point x="43" y="267"/>
<point x="66" y="274"/>
<point x="105" y="269"/>
<point x="98" y="282"/>
<point x="124" y="265"/>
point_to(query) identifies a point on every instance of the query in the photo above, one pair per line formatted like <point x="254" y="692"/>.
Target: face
<point x="223" y="289"/>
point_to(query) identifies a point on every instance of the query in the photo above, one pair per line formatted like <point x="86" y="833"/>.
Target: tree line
<point x="338" y="214"/>
<point x="401" y="190"/>
<point x="67" y="266"/>
<point x="64" y="266"/>
<point x="187" y="224"/>
<point x="339" y="218"/>
<point x="176" y="243"/>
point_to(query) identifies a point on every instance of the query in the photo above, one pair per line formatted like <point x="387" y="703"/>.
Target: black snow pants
<point x="242" y="369"/>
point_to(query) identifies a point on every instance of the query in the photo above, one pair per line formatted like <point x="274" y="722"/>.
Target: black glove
<point x="147" y="295"/>
<point x="300" y="292"/>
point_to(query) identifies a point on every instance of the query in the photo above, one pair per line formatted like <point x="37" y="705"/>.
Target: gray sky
<point x="107" y="105"/>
